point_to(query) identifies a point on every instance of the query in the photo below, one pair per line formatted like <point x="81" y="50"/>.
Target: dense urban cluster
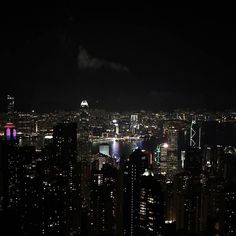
<point x="97" y="172"/>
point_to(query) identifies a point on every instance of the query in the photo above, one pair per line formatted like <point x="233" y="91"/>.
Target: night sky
<point x="155" y="58"/>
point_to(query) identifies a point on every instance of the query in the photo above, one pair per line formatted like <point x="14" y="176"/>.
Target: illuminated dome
<point x="84" y="103"/>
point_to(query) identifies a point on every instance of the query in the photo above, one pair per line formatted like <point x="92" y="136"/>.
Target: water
<point x="118" y="149"/>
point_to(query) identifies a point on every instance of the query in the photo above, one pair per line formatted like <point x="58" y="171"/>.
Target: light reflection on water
<point x="119" y="149"/>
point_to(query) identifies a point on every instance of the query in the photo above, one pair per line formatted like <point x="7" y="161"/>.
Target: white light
<point x="165" y="145"/>
<point x="114" y="121"/>
<point x="84" y="103"/>
<point x="48" y="137"/>
<point x="169" y="221"/>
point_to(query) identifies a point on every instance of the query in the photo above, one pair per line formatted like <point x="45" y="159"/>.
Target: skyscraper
<point x="134" y="167"/>
<point x="150" y="206"/>
<point x="133" y="123"/>
<point x="10" y="104"/>
<point x="65" y="144"/>
<point x="230" y="209"/>
<point x="188" y="193"/>
<point x="84" y="154"/>
<point x="10" y="132"/>
<point x="84" y="121"/>
<point x="103" y="200"/>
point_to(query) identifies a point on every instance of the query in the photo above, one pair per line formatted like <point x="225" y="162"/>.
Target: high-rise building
<point x="188" y="193"/>
<point x="150" y="219"/>
<point x="103" y="201"/>
<point x="65" y="144"/>
<point x="21" y="200"/>
<point x="134" y="167"/>
<point x="230" y="210"/>
<point x="195" y="133"/>
<point x="133" y="123"/>
<point x="83" y="128"/>
<point x="10" y="171"/>
<point x="188" y="202"/>
<point x="10" y="132"/>
<point x="10" y="167"/>
<point x="30" y="188"/>
<point x="84" y="154"/>
<point x="10" y="104"/>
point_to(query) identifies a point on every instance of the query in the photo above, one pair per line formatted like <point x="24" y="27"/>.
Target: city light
<point x="165" y="145"/>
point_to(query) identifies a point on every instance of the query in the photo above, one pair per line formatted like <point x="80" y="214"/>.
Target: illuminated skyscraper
<point x="84" y="145"/>
<point x="195" y="134"/>
<point x="150" y="206"/>
<point x="230" y="209"/>
<point x="84" y="154"/>
<point x="10" y="171"/>
<point x="10" y="132"/>
<point x="188" y="193"/>
<point x="65" y="144"/>
<point x="103" y="200"/>
<point x="84" y="121"/>
<point x="133" y="123"/>
<point x="134" y="167"/>
<point x="10" y="104"/>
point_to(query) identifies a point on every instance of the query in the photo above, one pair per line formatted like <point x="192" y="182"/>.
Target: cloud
<point x="85" y="61"/>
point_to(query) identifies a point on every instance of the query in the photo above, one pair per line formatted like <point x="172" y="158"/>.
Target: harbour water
<point x="118" y="149"/>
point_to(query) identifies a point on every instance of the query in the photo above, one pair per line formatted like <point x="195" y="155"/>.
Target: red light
<point x="9" y="125"/>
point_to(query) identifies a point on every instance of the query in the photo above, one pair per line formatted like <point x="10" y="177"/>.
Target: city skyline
<point x="157" y="58"/>
<point x="94" y="172"/>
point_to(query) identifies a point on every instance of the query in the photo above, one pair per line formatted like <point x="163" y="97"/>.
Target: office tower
<point x="214" y="160"/>
<point x="10" y="104"/>
<point x="21" y="188"/>
<point x="156" y="160"/>
<point x="52" y="194"/>
<point x="213" y="188"/>
<point x="172" y="153"/>
<point x="193" y="160"/>
<point x="183" y="141"/>
<point x="134" y="167"/>
<point x="10" y="168"/>
<point x="84" y="121"/>
<point x="124" y="125"/>
<point x="163" y="158"/>
<point x="169" y="203"/>
<point x="216" y="133"/>
<point x="103" y="200"/>
<point x="65" y="144"/>
<point x="84" y="154"/>
<point x="188" y="202"/>
<point x="150" y="218"/>
<point x="10" y="132"/>
<point x="133" y="123"/>
<point x="195" y="133"/>
<point x="230" y="209"/>
<point x="30" y="208"/>
<point x="213" y="198"/>
<point x="168" y="160"/>
<point x="188" y="193"/>
<point x="229" y="166"/>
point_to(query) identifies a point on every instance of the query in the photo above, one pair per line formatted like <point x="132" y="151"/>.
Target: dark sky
<point x="154" y="58"/>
